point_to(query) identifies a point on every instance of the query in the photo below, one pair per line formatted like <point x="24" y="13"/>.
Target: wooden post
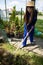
<point x="6" y="9"/>
<point x="34" y="1"/>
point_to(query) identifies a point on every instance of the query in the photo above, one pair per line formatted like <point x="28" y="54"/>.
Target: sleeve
<point x="35" y="17"/>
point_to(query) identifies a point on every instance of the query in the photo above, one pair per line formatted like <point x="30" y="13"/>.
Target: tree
<point x="13" y="14"/>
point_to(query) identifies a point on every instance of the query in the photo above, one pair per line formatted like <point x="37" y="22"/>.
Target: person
<point x="30" y="18"/>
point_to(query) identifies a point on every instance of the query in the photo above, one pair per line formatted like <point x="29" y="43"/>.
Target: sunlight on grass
<point x="8" y="47"/>
<point x="30" y="57"/>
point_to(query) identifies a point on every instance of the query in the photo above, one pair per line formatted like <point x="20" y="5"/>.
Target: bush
<point x="7" y="58"/>
<point x="39" y="13"/>
<point x="1" y="24"/>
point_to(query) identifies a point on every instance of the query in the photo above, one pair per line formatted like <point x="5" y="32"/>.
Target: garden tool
<point x="23" y="39"/>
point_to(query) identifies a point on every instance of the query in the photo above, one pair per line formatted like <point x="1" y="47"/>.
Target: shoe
<point x="33" y="43"/>
<point x="28" y="41"/>
<point x="21" y="46"/>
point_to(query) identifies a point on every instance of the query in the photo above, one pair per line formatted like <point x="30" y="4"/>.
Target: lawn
<point x="39" y="25"/>
<point x="21" y="57"/>
<point x="39" y="28"/>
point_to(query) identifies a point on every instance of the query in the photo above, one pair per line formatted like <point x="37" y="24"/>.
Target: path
<point x="38" y="48"/>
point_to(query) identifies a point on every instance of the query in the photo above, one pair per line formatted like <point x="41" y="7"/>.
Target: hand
<point x="27" y="33"/>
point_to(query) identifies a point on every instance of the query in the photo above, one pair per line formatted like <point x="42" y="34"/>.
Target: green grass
<point x="7" y="47"/>
<point x="39" y="25"/>
<point x="21" y="55"/>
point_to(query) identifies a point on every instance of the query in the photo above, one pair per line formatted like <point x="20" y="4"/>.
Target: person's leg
<point x="31" y="36"/>
<point x="25" y="32"/>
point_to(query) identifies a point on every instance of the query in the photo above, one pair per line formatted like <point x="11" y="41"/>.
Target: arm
<point x="35" y="17"/>
<point x="31" y="29"/>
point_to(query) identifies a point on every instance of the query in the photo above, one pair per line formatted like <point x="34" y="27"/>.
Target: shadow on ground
<point x="39" y="42"/>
